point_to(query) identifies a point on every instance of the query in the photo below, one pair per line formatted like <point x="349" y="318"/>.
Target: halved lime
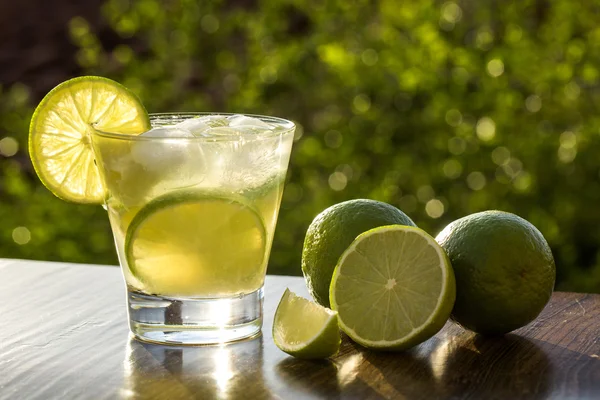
<point x="59" y="133"/>
<point x="393" y="288"/>
<point x="305" y="329"/>
<point x="197" y="244"/>
<point x="333" y="230"/>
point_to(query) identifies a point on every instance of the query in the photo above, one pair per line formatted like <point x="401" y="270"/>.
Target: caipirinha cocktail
<point x="192" y="200"/>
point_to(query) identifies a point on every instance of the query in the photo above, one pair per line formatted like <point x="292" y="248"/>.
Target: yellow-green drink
<point x="215" y="245"/>
<point x="193" y="205"/>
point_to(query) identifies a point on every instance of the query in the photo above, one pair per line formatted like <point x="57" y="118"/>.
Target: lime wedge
<point x="59" y="133"/>
<point x="393" y="288"/>
<point x="305" y="329"/>
<point x="195" y="244"/>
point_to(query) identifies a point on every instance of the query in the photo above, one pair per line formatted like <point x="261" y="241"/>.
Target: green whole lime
<point x="333" y="230"/>
<point x="504" y="271"/>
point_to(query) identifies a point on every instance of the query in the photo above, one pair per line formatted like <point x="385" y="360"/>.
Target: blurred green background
<point x="440" y="108"/>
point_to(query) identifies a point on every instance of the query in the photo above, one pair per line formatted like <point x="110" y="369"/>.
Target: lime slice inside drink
<point x="195" y="244"/>
<point x="393" y="288"/>
<point x="59" y="134"/>
<point x="305" y="329"/>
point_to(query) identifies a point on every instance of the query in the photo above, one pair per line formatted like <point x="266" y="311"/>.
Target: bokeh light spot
<point x="514" y="33"/>
<point x="572" y="90"/>
<point x="369" y="57"/>
<point x="476" y="180"/>
<point x="434" y="208"/>
<point x="568" y="139"/>
<point x="268" y="74"/>
<point x="484" y="38"/>
<point x="568" y="147"/>
<point x="567" y="154"/>
<point x="457" y="145"/>
<point x="361" y="103"/>
<point x="453" y="117"/>
<point x="486" y="129"/>
<point x="451" y="12"/>
<point x="21" y="235"/>
<point x="9" y="146"/>
<point x="513" y="167"/>
<point x="522" y="182"/>
<point x="209" y="23"/>
<point x="500" y="155"/>
<point x="495" y="67"/>
<point x="338" y="181"/>
<point x="460" y="75"/>
<point x="533" y="103"/>
<point x="123" y="54"/>
<point x="452" y="169"/>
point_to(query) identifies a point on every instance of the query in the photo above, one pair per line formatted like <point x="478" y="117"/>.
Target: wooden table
<point x="64" y="336"/>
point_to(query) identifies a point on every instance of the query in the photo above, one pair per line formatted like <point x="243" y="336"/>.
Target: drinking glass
<point x="193" y="219"/>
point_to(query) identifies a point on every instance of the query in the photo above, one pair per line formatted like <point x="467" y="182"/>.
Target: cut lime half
<point x="393" y="288"/>
<point x="196" y="244"/>
<point x="305" y="329"/>
<point x="59" y="133"/>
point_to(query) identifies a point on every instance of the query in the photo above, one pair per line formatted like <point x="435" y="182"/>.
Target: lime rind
<point x="305" y="329"/>
<point x="505" y="271"/>
<point x="59" y="144"/>
<point x="436" y="319"/>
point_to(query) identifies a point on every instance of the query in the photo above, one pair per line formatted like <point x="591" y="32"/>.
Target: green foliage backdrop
<point x="440" y="108"/>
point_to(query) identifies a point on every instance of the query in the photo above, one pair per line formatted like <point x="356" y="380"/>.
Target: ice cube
<point x="247" y="163"/>
<point x="215" y="120"/>
<point x="223" y="131"/>
<point x="195" y="126"/>
<point x="160" y="154"/>
<point x="243" y="121"/>
<point x="156" y="155"/>
<point x="167" y="132"/>
<point x="176" y="161"/>
<point x="199" y="125"/>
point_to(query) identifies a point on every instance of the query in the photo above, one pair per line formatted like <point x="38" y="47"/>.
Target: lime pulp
<point x="196" y="244"/>
<point x="305" y="329"/>
<point x="393" y="288"/>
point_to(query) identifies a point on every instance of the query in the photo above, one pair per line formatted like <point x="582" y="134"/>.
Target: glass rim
<point x="287" y="125"/>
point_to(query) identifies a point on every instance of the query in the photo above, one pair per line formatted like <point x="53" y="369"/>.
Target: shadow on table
<point x="317" y="378"/>
<point x="464" y="365"/>
<point x="209" y="372"/>
<point x="391" y="375"/>
<point x="357" y="373"/>
<point x="502" y="367"/>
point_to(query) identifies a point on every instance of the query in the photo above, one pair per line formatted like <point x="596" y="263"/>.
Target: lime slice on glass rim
<point x="305" y="329"/>
<point x="189" y="242"/>
<point x="393" y="288"/>
<point x="59" y="134"/>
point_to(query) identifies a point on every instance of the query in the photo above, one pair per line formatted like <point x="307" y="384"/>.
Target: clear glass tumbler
<point x="193" y="221"/>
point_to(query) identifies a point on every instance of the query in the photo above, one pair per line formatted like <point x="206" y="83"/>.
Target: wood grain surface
<point x="64" y="336"/>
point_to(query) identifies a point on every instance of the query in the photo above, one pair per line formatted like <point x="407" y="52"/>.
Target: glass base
<point x="197" y="321"/>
